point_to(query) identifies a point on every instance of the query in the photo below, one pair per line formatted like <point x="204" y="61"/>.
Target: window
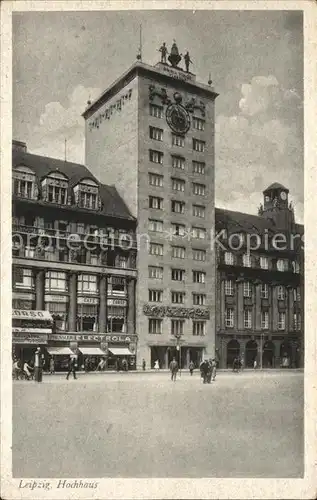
<point x="199" y="328"/>
<point x="297" y="321"/>
<point x="156" y="249"/>
<point x="22" y="278"/>
<point x="264" y="263"/>
<point x="296" y="294"/>
<point x="178" y="297"/>
<point x="199" y="145"/>
<point x="24" y="184"/>
<point x="178" y="162"/>
<point x="264" y="320"/>
<point x="295" y="267"/>
<point x="178" y="229"/>
<point x="199" y="254"/>
<point x="29" y="252"/>
<point x="199" y="167"/>
<point x="177" y="326"/>
<point x="199" y="299"/>
<point x="156" y="180"/>
<point x="178" y="252"/>
<point x="87" y="283"/>
<point x="199" y="211"/>
<point x="86" y="194"/>
<point x="178" y="207"/>
<point x="117" y="285"/>
<point x="229" y="317"/>
<point x="156" y="156"/>
<point x="88" y="200"/>
<point x="199" y="189"/>
<point x="155" y="295"/>
<point x="178" y="185"/>
<point x="280" y="292"/>
<point x="156" y="225"/>
<point x="155" y="326"/>
<point x="178" y="140"/>
<point x="155" y="272"/>
<point x="264" y="291"/>
<point x="282" y="265"/>
<point x="199" y="277"/>
<point x="228" y="287"/>
<point x="281" y="321"/>
<point x="156" y="111"/>
<point x="247" y="317"/>
<point x="199" y="233"/>
<point x="229" y="258"/>
<point x="178" y="275"/>
<point x="247" y="289"/>
<point x="198" y="123"/>
<point x="156" y="133"/>
<point x="94" y="259"/>
<point x="55" y="281"/>
<point x="246" y="260"/>
<point x="122" y="261"/>
<point x="57" y="193"/>
<point x="155" y="202"/>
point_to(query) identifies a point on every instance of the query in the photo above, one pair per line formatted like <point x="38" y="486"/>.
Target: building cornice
<point x="141" y="69"/>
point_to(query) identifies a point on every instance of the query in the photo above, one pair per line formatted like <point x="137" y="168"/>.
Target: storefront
<point x="90" y="348"/>
<point x="183" y="354"/>
<point x="30" y="329"/>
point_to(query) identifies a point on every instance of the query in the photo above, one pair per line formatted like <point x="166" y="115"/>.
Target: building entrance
<point x="251" y="353"/>
<point x="268" y="355"/>
<point x="233" y="351"/>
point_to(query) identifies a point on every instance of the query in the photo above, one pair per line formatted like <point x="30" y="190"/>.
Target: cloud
<point x="59" y="122"/>
<point x="257" y="95"/>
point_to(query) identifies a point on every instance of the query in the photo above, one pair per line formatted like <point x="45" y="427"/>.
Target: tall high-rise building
<point x="151" y="133"/>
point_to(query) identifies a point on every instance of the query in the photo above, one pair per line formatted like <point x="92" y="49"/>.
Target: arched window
<point x="86" y="194"/>
<point x="55" y="188"/>
<point x="24" y="183"/>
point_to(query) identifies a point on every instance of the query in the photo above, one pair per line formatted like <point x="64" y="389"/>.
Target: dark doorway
<point x="268" y="355"/>
<point x="285" y="354"/>
<point x="233" y="351"/>
<point x="251" y="352"/>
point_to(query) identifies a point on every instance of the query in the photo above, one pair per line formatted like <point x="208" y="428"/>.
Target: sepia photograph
<point x="156" y="192"/>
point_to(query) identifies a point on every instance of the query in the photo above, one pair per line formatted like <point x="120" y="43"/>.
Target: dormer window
<point x="55" y="188"/>
<point x="24" y="183"/>
<point x="87" y="195"/>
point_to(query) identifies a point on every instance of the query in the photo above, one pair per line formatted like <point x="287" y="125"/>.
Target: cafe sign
<point x="88" y="300"/>
<point x="116" y="302"/>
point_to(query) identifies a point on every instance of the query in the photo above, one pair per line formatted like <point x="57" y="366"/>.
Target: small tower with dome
<point x="276" y="206"/>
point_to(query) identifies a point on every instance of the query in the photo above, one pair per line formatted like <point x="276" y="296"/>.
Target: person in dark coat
<point x="173" y="369"/>
<point x="191" y="368"/>
<point x="71" y="368"/>
<point x="204" y="370"/>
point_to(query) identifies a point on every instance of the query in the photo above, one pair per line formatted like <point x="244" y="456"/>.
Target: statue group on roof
<point x="174" y="57"/>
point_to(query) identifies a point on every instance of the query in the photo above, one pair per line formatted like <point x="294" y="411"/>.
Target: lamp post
<point x="179" y="349"/>
<point x="261" y="359"/>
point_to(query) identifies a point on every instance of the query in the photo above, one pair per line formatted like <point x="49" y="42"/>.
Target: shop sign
<point x="116" y="302"/>
<point x="23" y="296"/>
<point x="56" y="298"/>
<point x="29" y="338"/>
<point x="31" y="330"/>
<point x="178" y="74"/>
<point x="29" y="314"/>
<point x="88" y="300"/>
<point x="101" y="337"/>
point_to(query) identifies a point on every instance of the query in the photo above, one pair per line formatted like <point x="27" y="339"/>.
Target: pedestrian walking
<point x="143" y="364"/>
<point x="52" y="366"/>
<point x="204" y="370"/>
<point x="255" y="364"/>
<point x="125" y="365"/>
<point x="27" y="370"/>
<point x="173" y="369"/>
<point x="16" y="369"/>
<point x="71" y="368"/>
<point x="156" y="365"/>
<point x="191" y="368"/>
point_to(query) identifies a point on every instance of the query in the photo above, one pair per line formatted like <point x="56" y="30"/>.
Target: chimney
<point x="19" y="146"/>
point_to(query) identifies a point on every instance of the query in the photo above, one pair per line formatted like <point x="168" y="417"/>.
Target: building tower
<point x="276" y="206"/>
<point x="151" y="133"/>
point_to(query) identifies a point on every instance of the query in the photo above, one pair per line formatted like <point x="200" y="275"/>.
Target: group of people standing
<point x="208" y="370"/>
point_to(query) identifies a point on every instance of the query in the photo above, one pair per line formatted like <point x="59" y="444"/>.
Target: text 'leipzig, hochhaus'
<point x="127" y="256"/>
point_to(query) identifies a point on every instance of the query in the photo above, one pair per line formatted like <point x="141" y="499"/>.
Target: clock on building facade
<point x="178" y="118"/>
<point x="283" y="195"/>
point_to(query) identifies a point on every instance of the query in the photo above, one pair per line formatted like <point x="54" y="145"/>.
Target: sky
<point x="255" y="59"/>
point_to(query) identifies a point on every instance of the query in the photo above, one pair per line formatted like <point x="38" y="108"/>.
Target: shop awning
<point x="92" y="351"/>
<point x="59" y="351"/>
<point x="120" y="351"/>
<point x="31" y="315"/>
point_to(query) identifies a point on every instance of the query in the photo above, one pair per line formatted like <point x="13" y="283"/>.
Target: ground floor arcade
<point x="268" y="351"/>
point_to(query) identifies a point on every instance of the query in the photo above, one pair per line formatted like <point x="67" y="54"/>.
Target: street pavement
<point x="122" y="425"/>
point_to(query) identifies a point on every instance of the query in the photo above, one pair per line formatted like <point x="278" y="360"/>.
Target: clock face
<point x="267" y="198"/>
<point x="178" y="118"/>
<point x="283" y="195"/>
